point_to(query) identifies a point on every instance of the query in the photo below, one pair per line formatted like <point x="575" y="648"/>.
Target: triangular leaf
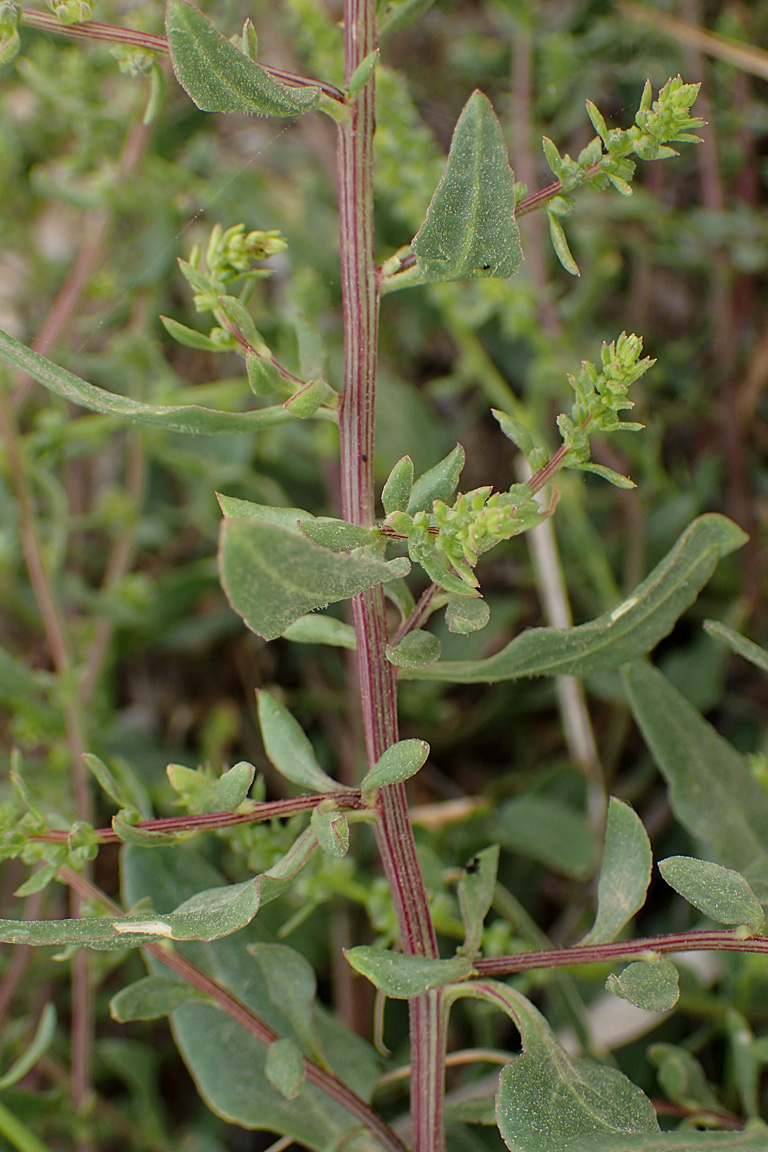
<point x="273" y="576"/>
<point x="219" y="78"/>
<point x="470" y="229"/>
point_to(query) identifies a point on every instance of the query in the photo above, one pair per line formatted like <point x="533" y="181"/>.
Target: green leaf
<point x="549" y="1101"/>
<point x="219" y="78"/>
<point x="226" y="1063"/>
<point x="288" y="747"/>
<point x="106" y="779"/>
<point x="312" y="352"/>
<point x="308" y="399"/>
<point x="476" y="888"/>
<point x="337" y="535"/>
<point x="417" y="649"/>
<point x="396" y="493"/>
<point x="202" y="793"/>
<point x="400" y="761"/>
<point x="685" y="1140"/>
<point x="465" y="614"/>
<point x="265" y="513"/>
<point x="720" y="893"/>
<point x="174" y="417"/>
<point x="39" y="1045"/>
<point x="189" y="337"/>
<point x="152" y="997"/>
<point x="739" y="644"/>
<point x="682" y="1077"/>
<point x="124" y="823"/>
<point x="543" y="829"/>
<point x="402" y="977"/>
<point x="470" y="230"/>
<point x="272" y="576"/>
<point x="650" y="985"/>
<point x="398" y="14"/>
<point x="628" y="631"/>
<point x="318" y="629"/>
<point x="712" y="791"/>
<point x="331" y="828"/>
<point x="205" y="916"/>
<point x="284" y="1068"/>
<point x="560" y="245"/>
<point x="624" y="874"/>
<point x="362" y="74"/>
<point x="264" y="376"/>
<point x="291" y="987"/>
<point x="522" y="438"/>
<point x="438" y="483"/>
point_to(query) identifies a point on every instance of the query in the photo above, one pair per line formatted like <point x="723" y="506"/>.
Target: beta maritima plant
<point x="263" y="1051"/>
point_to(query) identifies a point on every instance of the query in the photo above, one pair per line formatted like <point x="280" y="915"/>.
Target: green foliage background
<point x="128" y="519"/>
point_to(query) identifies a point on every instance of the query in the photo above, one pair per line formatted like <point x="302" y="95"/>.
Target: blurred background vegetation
<point x="95" y="209"/>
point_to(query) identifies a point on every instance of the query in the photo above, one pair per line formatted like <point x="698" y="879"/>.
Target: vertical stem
<point x="376" y="674"/>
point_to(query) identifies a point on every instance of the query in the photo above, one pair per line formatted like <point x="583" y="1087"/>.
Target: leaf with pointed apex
<point x="712" y="790"/>
<point x="560" y="245"/>
<point x="288" y="747"/>
<point x="265" y="513"/>
<point x="400" y="761"/>
<point x="438" y="483"/>
<point x="189" y="337"/>
<point x="548" y="1100"/>
<point x="396" y="493"/>
<point x="291" y="986"/>
<point x="476" y="888"/>
<point x="624" y="874"/>
<point x="466" y="614"/>
<point x="720" y="893"/>
<point x="219" y="78"/>
<point x="629" y="630"/>
<point x="652" y="985"/>
<point x="739" y="644"/>
<point x="470" y="230"/>
<point x="363" y="73"/>
<point x="205" y="916"/>
<point x="202" y="793"/>
<point x="174" y="417"/>
<point x="106" y="779"/>
<point x="319" y="629"/>
<point x="416" y="650"/>
<point x="337" y="535"/>
<point x="402" y="977"/>
<point x="41" y="1042"/>
<point x="273" y="576"/>
<point x="152" y="997"/>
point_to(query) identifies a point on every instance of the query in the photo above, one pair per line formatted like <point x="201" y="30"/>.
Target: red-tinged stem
<point x="93" y="30"/>
<point x="376" y="674"/>
<point x="253" y="1024"/>
<point x="716" y="940"/>
<point x="269" y="810"/>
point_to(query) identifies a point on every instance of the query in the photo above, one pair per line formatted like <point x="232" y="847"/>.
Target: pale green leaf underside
<point x="628" y="631"/>
<point x="720" y="893"/>
<point x="711" y="788"/>
<point x="219" y="78"/>
<point x="470" y="229"/>
<point x="625" y="873"/>
<point x="684" y="1141"/>
<point x="319" y="629"/>
<point x="273" y="576"/>
<point x="174" y="417"/>
<point x="151" y="997"/>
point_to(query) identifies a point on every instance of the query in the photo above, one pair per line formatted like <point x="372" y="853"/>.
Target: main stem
<point x="376" y="675"/>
